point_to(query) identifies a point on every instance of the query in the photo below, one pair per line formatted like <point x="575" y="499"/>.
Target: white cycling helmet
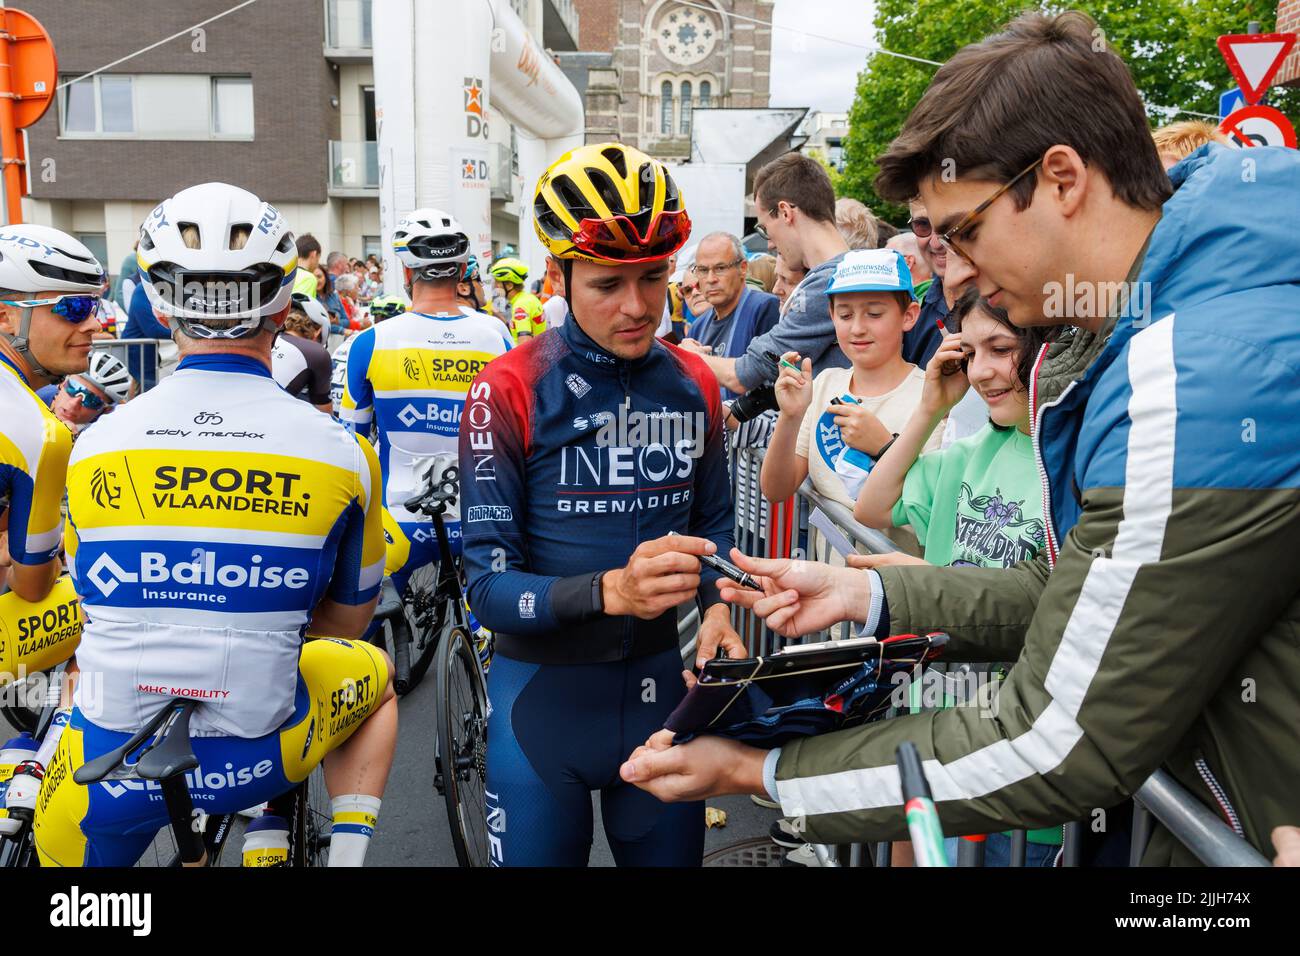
<point x="43" y="259"/>
<point x="217" y="260"/>
<point x="432" y="244"/>
<point x="314" y="310"/>
<point x="108" y="372"/>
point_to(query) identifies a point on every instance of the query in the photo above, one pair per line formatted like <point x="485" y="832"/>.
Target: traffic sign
<point x="1254" y="59"/>
<point x="1229" y="102"/>
<point x="33" y="69"/>
<point x="1258" y="126"/>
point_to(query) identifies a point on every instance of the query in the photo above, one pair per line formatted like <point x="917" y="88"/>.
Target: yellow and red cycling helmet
<point x="611" y="204"/>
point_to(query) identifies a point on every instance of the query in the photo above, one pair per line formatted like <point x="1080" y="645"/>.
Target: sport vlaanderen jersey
<point x="34" y="448"/>
<point x="408" y="376"/>
<point x="207" y="518"/>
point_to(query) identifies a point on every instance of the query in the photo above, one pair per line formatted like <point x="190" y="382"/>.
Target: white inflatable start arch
<point x="437" y="66"/>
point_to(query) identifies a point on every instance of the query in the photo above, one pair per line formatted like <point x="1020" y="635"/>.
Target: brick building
<point x="1288" y="21"/>
<point x="664" y="58"/>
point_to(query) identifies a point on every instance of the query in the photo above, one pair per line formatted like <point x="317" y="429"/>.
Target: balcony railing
<point x="347" y="28"/>
<point x="354" y="166"/>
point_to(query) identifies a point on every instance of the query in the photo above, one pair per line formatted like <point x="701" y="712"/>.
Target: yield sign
<point x="1254" y="58"/>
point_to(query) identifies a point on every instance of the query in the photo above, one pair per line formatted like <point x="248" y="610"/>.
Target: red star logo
<point x="468" y="170"/>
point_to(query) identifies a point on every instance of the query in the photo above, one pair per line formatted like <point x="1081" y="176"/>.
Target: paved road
<point x="413" y="828"/>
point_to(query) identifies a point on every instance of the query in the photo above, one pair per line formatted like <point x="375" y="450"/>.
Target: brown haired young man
<point x="1159" y="629"/>
<point x="796" y="214"/>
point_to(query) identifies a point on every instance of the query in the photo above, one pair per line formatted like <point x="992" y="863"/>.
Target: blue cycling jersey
<point x="570" y="457"/>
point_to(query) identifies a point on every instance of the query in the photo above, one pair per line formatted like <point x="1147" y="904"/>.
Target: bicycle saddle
<point x="167" y="756"/>
<point x="433" y="498"/>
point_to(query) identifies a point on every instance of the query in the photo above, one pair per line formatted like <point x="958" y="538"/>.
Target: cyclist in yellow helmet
<point x="568" y="547"/>
<point x="526" y="309"/>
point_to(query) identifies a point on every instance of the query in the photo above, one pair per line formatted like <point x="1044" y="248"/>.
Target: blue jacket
<point x="570" y="458"/>
<point x="1215" y="338"/>
<point x="1160" y="629"/>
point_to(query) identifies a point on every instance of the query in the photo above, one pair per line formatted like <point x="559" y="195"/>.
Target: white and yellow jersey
<point x="408" y="376"/>
<point x="207" y="518"/>
<point x="34" y="448"/>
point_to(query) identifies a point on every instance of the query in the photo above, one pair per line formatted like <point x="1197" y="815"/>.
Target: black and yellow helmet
<point x="609" y="203"/>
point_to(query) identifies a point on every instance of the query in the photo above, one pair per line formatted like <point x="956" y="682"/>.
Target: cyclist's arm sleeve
<point x="36" y="491"/>
<point x="1133" y="636"/>
<point x="357" y="409"/>
<point x="359" y="564"/>
<point x="494" y="445"/>
<point x="319" y="371"/>
<point x="524" y="315"/>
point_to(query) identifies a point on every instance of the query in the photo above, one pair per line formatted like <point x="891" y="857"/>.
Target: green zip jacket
<point x="1161" y="627"/>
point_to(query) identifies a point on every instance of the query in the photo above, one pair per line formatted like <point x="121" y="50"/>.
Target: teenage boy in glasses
<point x="49" y="313"/>
<point x="1157" y="628"/>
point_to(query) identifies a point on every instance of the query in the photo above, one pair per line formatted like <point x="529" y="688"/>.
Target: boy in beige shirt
<point x="834" y="427"/>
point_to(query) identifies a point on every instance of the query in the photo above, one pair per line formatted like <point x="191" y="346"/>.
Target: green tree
<point x="1169" y="45"/>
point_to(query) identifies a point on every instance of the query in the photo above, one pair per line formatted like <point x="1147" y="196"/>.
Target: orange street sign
<point x="33" y="68"/>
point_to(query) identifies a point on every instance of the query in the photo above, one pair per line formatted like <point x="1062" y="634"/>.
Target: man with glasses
<point x="1157" y="628"/>
<point x="49" y="313"/>
<point x="738" y="313"/>
<point x="796" y="215"/>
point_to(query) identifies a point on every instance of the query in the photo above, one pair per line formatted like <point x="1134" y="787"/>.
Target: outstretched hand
<point x="799" y="597"/>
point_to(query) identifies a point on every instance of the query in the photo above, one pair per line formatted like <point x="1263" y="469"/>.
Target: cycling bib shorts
<point x="558" y="732"/>
<point x="111" y="823"/>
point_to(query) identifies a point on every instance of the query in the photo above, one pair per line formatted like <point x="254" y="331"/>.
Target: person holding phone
<point x="834" y="427"/>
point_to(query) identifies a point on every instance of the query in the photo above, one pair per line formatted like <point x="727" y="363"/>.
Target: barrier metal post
<point x="1019" y="847"/>
<point x="1194" y="825"/>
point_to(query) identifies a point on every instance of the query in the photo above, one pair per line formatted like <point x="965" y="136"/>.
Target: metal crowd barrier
<point x="790" y="529"/>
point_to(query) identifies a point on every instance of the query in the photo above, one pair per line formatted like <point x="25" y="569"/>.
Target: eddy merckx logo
<point x="1084" y="299"/>
<point x="78" y="908"/>
<point x="685" y="432"/>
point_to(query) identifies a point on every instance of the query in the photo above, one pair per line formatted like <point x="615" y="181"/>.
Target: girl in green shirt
<point x="977" y="502"/>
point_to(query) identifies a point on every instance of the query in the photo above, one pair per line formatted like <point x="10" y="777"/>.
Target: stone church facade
<point x="669" y="58"/>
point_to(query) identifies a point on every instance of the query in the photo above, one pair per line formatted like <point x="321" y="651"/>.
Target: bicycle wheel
<point x="23" y="701"/>
<point x="462" y="746"/>
<point x="309" y="832"/>
<point x="427" y="613"/>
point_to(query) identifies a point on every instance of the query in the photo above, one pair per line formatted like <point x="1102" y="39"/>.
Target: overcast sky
<point x="818" y="73"/>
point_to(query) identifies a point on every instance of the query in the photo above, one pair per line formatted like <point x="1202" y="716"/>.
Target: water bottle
<point x="20" y="748"/>
<point x="266" y="841"/>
